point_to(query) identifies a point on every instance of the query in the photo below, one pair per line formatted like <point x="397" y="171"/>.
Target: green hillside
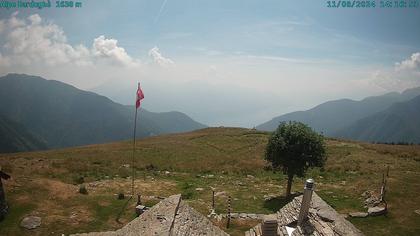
<point x="15" y="138"/>
<point x="228" y="159"/>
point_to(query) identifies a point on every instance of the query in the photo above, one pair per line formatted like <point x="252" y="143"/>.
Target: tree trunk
<point x="289" y="185"/>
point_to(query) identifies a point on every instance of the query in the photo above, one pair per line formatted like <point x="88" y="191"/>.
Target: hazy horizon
<point x="235" y="63"/>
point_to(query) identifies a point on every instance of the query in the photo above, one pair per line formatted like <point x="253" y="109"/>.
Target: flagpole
<point x="137" y="106"/>
<point x="139" y="96"/>
<point x="134" y="149"/>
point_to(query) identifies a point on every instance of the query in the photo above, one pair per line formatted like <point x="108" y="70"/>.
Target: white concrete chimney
<point x="306" y="200"/>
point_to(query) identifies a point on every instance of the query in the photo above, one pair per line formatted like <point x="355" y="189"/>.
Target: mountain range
<point x="392" y="117"/>
<point x="59" y="115"/>
<point x="36" y="113"/>
<point x="398" y="123"/>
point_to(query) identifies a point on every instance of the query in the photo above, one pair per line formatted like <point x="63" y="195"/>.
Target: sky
<point x="230" y="63"/>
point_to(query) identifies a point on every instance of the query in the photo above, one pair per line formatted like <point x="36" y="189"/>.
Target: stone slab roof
<point x="323" y="220"/>
<point x="171" y="216"/>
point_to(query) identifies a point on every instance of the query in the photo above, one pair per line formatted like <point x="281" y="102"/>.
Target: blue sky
<point x="221" y="59"/>
<point x="299" y="29"/>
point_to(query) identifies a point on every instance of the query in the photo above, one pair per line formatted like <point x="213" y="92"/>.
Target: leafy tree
<point x="293" y="148"/>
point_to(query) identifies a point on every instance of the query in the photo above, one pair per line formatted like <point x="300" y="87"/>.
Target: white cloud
<point x="159" y="59"/>
<point x="404" y="75"/>
<point x="35" y="19"/>
<point x="412" y="63"/>
<point x="108" y="49"/>
<point x="33" y="41"/>
<point x="15" y="22"/>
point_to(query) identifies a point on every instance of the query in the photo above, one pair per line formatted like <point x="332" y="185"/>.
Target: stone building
<point x="171" y="216"/>
<point x="322" y="220"/>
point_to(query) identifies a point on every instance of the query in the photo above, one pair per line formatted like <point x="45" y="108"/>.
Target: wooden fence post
<point x="139" y="200"/>
<point x="212" y="205"/>
<point x="229" y="212"/>
<point x="382" y="187"/>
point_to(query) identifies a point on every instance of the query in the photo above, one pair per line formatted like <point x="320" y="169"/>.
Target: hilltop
<point x="229" y="159"/>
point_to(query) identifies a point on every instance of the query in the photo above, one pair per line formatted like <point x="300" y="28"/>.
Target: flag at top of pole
<point x="139" y="97"/>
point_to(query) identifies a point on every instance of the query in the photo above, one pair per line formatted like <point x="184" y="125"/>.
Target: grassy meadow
<point x="230" y="160"/>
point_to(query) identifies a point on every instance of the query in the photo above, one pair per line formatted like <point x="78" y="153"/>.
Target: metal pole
<point x="306" y="201"/>
<point x="132" y="166"/>
<point x="134" y="149"/>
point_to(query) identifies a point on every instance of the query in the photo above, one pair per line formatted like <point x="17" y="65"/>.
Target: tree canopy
<point x="293" y="148"/>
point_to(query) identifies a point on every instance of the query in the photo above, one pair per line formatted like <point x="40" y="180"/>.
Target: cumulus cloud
<point x="35" y="19"/>
<point x="412" y="63"/>
<point x="34" y="41"/>
<point x="108" y="49"/>
<point x="158" y="58"/>
<point x="14" y="21"/>
<point x="405" y="74"/>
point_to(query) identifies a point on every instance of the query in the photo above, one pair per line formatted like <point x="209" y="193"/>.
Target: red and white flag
<point x="139" y="97"/>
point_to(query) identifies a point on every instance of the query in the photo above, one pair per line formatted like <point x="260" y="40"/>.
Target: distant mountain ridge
<point x="64" y="116"/>
<point x="334" y="118"/>
<point x="398" y="123"/>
